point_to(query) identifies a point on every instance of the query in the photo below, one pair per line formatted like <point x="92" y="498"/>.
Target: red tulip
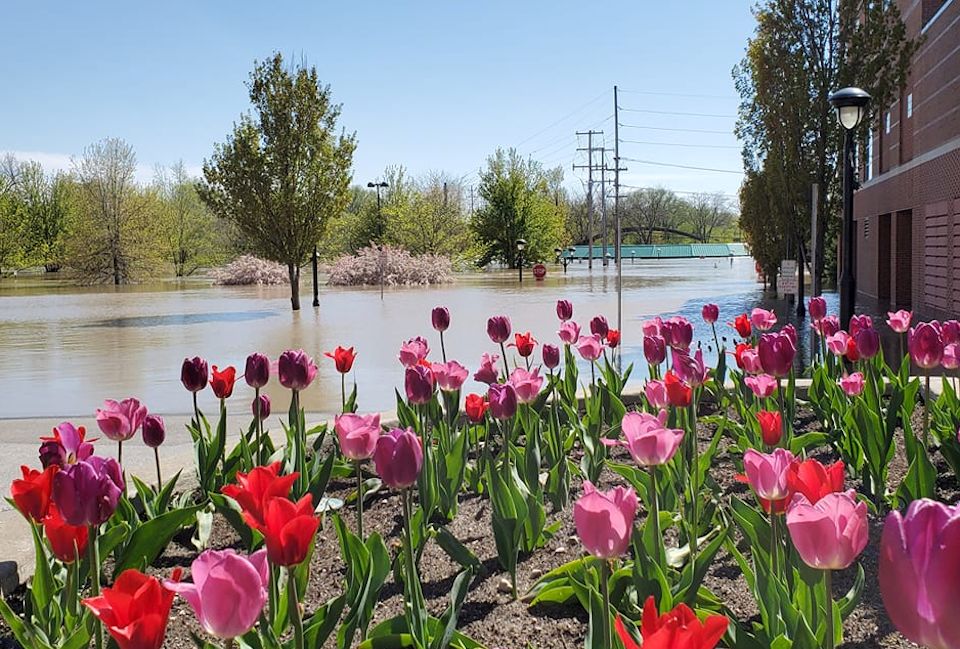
<point x="524" y="343"/>
<point x="738" y="353"/>
<point x="677" y="629"/>
<point x="853" y="352"/>
<point x="31" y="493"/>
<point x="222" y="381"/>
<point x="771" y="426"/>
<point x="289" y="529"/>
<point x="343" y="358"/>
<point x="254" y="489"/>
<point x="68" y="542"/>
<point x="679" y="394"/>
<point x="135" y="610"/>
<point x="814" y="480"/>
<point x="613" y="338"/>
<point x="476" y="407"/>
<point x="742" y="324"/>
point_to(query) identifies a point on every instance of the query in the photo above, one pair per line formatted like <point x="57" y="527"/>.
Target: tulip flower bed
<point x="717" y="508"/>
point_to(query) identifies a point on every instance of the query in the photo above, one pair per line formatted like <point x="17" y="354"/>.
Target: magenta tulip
<point x="951" y="356"/>
<point x="817" y="308"/>
<point x="564" y="310"/>
<point x="357" y="434"/>
<point x="590" y="347"/>
<point x="838" y="343"/>
<point x="228" y="592"/>
<point x="599" y="326"/>
<point x="777" y="352"/>
<point x="830" y="534"/>
<point x="768" y="472"/>
<point x="418" y="382"/>
<point x="918" y="566"/>
<point x="440" y="318"/>
<point x="398" y="458"/>
<point x="449" y="376"/>
<point x="925" y="343"/>
<point x="851" y="384"/>
<point x="648" y="439"/>
<point x="950" y="332"/>
<point x="257" y="370"/>
<point x="656" y="393"/>
<point x="677" y="332"/>
<point x="761" y="385"/>
<point x="526" y="384"/>
<point x="296" y="369"/>
<point x="751" y="361"/>
<point x="826" y="326"/>
<point x="67" y="446"/>
<point x="260" y="407"/>
<point x="154" y="431"/>
<point x="690" y="369"/>
<point x="86" y="493"/>
<point x="569" y="332"/>
<point x="604" y="520"/>
<point x="503" y="400"/>
<point x="859" y="322"/>
<point x="551" y="355"/>
<point x="868" y="342"/>
<point x="654" y="349"/>
<point x="710" y="313"/>
<point x="498" y="328"/>
<point x="194" y="374"/>
<point x="899" y="321"/>
<point x="413" y="351"/>
<point x="488" y="372"/>
<point x="762" y="319"/>
<point x="120" y="420"/>
<point x="652" y="327"/>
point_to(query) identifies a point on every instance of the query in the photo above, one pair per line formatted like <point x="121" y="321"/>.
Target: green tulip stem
<point x="926" y="411"/>
<point x="506" y="369"/>
<point x="655" y="510"/>
<point x="359" y="501"/>
<point x="694" y="479"/>
<point x="414" y="603"/>
<point x="156" y="459"/>
<point x="443" y="350"/>
<point x="343" y="392"/>
<point x="605" y="591"/>
<point x="120" y="454"/>
<point x="196" y="411"/>
<point x="259" y="418"/>
<point x="774" y="542"/>
<point x="94" y="552"/>
<point x="295" y="618"/>
<point x="828" y="603"/>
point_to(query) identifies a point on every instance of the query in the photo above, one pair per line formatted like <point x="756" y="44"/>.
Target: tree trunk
<point x="294" y="272"/>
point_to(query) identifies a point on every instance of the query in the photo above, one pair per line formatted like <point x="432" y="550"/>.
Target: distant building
<point x="907" y="211"/>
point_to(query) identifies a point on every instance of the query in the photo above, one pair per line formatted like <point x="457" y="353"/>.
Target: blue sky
<point x="429" y="85"/>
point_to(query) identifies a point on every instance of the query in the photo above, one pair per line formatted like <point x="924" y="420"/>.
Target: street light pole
<point x="316" y="288"/>
<point x="521" y="243"/>
<point x="851" y="105"/>
<point x="379" y="186"/>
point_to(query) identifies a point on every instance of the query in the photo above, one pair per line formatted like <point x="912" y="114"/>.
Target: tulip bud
<point x="818" y="308"/>
<point x="868" y="342"/>
<point x="503" y="400"/>
<point x="257" y="371"/>
<point x="710" y="313"/>
<point x="599" y="326"/>
<point x="154" y="431"/>
<point x="654" y="349"/>
<point x="551" y="355"/>
<point x="296" y="369"/>
<point x="771" y="427"/>
<point x="193" y="374"/>
<point x="440" y="317"/>
<point x="52" y="453"/>
<point x="398" y="458"/>
<point x="261" y="407"/>
<point x="498" y="328"/>
<point x="564" y="310"/>
<point x="418" y="382"/>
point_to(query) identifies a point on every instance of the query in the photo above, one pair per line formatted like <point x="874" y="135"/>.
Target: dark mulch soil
<point x="491" y="617"/>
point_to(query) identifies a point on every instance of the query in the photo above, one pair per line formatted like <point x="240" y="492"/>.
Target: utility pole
<point x="589" y="167"/>
<point x="471" y="199"/>
<point x="603" y="203"/>
<point x="616" y="217"/>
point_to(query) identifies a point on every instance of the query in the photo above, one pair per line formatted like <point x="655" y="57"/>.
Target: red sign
<point x="539" y="271"/>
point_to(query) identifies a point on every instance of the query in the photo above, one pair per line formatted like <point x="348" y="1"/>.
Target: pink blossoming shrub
<point x="247" y="269"/>
<point x="400" y="268"/>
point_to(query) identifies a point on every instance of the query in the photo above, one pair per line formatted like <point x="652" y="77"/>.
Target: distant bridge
<point x="645" y="232"/>
<point x="667" y="251"/>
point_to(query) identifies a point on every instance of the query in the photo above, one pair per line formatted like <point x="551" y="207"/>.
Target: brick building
<point x="907" y="211"/>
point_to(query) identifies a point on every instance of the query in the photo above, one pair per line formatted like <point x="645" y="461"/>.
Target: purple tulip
<point x="551" y="355"/>
<point x="818" y="308"/>
<point x="86" y="493"/>
<point x="398" y="458"/>
<point x="690" y="369"/>
<point x="440" y="318"/>
<point x="154" y="431"/>
<point x="599" y="326"/>
<point x="261" y="407"/>
<point x="564" y="310"/>
<point x="194" y="373"/>
<point x="925" y="343"/>
<point x="488" y="372"/>
<point x="418" y="382"/>
<point x="654" y="349"/>
<point x="868" y="342"/>
<point x="776" y="352"/>
<point x="120" y="420"/>
<point x="503" y="400"/>
<point x="257" y="371"/>
<point x="859" y="322"/>
<point x="52" y="452"/>
<point x="950" y="332"/>
<point x="296" y="369"/>
<point x="498" y="328"/>
<point x="710" y="313"/>
<point x="67" y="446"/>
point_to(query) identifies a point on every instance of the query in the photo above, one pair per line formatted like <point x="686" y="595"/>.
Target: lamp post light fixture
<point x="851" y="105"/>
<point x="378" y="186"/>
<point x="521" y="244"/>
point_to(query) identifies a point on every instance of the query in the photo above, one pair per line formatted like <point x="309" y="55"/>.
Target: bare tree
<point x="646" y="211"/>
<point x="706" y="212"/>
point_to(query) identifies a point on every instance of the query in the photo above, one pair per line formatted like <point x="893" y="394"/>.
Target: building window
<point x="866" y="227"/>
<point x="869" y="156"/>
<point x="886" y="122"/>
<point x="910" y="105"/>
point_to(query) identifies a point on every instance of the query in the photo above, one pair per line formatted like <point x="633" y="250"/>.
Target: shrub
<point x="247" y="269"/>
<point x="400" y="268"/>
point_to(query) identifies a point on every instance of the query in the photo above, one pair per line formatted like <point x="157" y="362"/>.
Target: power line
<point x="675" y="94"/>
<point x="679" y="130"/>
<point x="562" y="119"/>
<point x="667" y="164"/>
<point x="669" y="112"/>
<point x="680" y="191"/>
<point x="696" y="146"/>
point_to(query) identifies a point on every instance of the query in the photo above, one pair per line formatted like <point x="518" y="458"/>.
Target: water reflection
<point x="183" y="319"/>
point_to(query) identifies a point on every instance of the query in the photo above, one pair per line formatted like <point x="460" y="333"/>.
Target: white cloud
<point x="55" y="162"/>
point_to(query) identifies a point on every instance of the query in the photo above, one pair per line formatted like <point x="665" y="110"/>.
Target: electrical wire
<point x="668" y="112"/>
<point x="675" y="94"/>
<point x="679" y="166"/>
<point x="679" y="130"/>
<point x="563" y="119"/>
<point x="696" y="146"/>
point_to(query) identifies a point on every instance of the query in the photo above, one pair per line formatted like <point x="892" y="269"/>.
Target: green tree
<point x="517" y="204"/>
<point x="284" y="172"/>
<point x="46" y="204"/>
<point x="11" y="214"/>
<point x="432" y="219"/>
<point x="191" y="234"/>
<point x="801" y="51"/>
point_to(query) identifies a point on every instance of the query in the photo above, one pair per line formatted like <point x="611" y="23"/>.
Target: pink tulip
<point x="652" y="327"/>
<point x="656" y="393"/>
<point x="950" y="332"/>
<point x="488" y="372"/>
<point x="827" y="326"/>
<point x="690" y="368"/>
<point x="654" y="349"/>
<point x="551" y="355"/>
<point x="761" y="385"/>
<point x="526" y="384"/>
<point x="868" y="342"/>
<point x="498" y="328"/>
<point x="763" y="320"/>
<point x="925" y="343"/>
<point x="710" y="313"/>
<point x="790" y="332"/>
<point x="502" y="398"/>
<point x="357" y="434"/>
<point x="838" y="343"/>
<point x="564" y="310"/>
<point x="830" y="534"/>
<point x="569" y="332"/>
<point x="399" y="458"/>
<point x="899" y="321"/>
<point x="851" y="384"/>
<point x="413" y="351"/>
<point x="677" y="332"/>
<point x="604" y="520"/>
<point x="449" y="376"/>
<point x="767" y="473"/>
<point x="918" y="566"/>
<point x="751" y="361"/>
<point x="418" y="382"/>
<point x="590" y="347"/>
<point x="951" y="356"/>
<point x="648" y="439"/>
<point x="777" y="352"/>
<point x="818" y="308"/>
<point x="228" y="592"/>
<point x="120" y="420"/>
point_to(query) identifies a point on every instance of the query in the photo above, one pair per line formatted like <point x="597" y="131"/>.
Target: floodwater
<point x="64" y="349"/>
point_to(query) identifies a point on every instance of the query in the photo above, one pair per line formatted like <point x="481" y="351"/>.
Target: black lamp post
<point x="379" y="186"/>
<point x="316" y="288"/>
<point x="521" y="244"/>
<point x="851" y="105"/>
